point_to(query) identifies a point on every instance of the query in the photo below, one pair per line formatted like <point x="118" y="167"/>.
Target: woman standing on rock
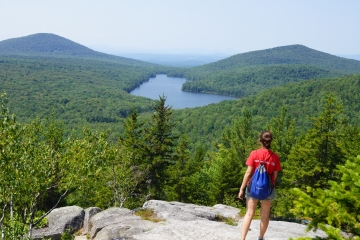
<point x="272" y="164"/>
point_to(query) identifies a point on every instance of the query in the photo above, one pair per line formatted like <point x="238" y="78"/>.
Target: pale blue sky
<point x="189" y="26"/>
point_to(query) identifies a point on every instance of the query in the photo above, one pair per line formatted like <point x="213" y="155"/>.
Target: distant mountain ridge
<point x="355" y="57"/>
<point x="42" y="43"/>
<point x="240" y="75"/>
<point x="52" y="45"/>
<point x="249" y="73"/>
<point x="291" y="54"/>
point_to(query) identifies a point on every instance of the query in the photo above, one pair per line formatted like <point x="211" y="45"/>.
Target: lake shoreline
<point x="170" y="87"/>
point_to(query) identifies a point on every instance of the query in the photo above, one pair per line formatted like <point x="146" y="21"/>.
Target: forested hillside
<point x="292" y="54"/>
<point x="249" y="73"/>
<point x="302" y="100"/>
<point x="79" y="91"/>
<point x="45" y="73"/>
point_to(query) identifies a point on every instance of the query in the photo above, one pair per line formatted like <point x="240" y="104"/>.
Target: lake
<point x="171" y="88"/>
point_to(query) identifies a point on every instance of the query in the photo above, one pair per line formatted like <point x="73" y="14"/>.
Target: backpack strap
<point x="267" y="159"/>
<point x="269" y="156"/>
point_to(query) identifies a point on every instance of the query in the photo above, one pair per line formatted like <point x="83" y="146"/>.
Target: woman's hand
<point x="246" y="178"/>
<point x="241" y="194"/>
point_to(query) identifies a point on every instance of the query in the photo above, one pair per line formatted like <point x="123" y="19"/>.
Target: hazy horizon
<point x="188" y="27"/>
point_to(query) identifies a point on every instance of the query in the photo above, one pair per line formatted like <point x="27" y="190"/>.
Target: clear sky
<point x="189" y="26"/>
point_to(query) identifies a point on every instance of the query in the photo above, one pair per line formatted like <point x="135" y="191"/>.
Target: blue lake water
<point x="171" y="88"/>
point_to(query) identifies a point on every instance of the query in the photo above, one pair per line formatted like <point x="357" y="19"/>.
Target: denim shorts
<point x="271" y="197"/>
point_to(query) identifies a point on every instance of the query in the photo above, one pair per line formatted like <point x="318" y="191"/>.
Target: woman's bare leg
<point x="265" y="216"/>
<point x="250" y="211"/>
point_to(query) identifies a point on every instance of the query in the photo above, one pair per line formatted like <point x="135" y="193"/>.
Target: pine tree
<point x="228" y="165"/>
<point x="283" y="130"/>
<point x="133" y="149"/>
<point x="188" y="186"/>
<point x="336" y="209"/>
<point x="240" y="137"/>
<point x="160" y="142"/>
<point x="133" y="138"/>
<point x="313" y="159"/>
<point x="178" y="172"/>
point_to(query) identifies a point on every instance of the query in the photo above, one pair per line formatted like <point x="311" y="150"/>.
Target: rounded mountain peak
<point x="42" y="43"/>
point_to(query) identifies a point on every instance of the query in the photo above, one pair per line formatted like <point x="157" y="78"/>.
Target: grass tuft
<point x="226" y="220"/>
<point x="148" y="214"/>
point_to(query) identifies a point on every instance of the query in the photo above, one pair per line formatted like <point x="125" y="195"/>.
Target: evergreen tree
<point x="336" y="209"/>
<point x="228" y="165"/>
<point x="283" y="130"/>
<point x="199" y="187"/>
<point x="197" y="160"/>
<point x="351" y="136"/>
<point x="313" y="159"/>
<point x="132" y="142"/>
<point x="133" y="137"/>
<point x="178" y="172"/>
<point x="240" y="137"/>
<point x="160" y="141"/>
<point x="186" y="175"/>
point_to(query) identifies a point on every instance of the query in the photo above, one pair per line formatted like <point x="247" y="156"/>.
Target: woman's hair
<point x="265" y="139"/>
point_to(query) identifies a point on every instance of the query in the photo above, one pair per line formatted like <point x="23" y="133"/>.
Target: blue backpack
<point x="260" y="186"/>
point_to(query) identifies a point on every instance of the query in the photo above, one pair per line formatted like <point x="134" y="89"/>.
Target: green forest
<point x="71" y="134"/>
<point x="79" y="91"/>
<point x="250" y="73"/>
<point x="42" y="169"/>
<point x="302" y="101"/>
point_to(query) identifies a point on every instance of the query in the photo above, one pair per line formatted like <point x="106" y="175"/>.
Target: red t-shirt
<point x="262" y="156"/>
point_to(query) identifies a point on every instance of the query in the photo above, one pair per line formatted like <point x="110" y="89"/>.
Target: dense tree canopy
<point x="334" y="210"/>
<point x="41" y="169"/>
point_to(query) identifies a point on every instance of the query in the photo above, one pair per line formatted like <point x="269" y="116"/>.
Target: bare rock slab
<point x="209" y="230"/>
<point x="190" y="212"/>
<point x="61" y="219"/>
<point x="115" y="223"/>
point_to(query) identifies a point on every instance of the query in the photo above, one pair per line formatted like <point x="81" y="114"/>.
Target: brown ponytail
<point x="265" y="139"/>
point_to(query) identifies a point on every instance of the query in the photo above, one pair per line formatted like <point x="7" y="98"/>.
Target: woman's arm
<point x="244" y="182"/>
<point x="275" y="173"/>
